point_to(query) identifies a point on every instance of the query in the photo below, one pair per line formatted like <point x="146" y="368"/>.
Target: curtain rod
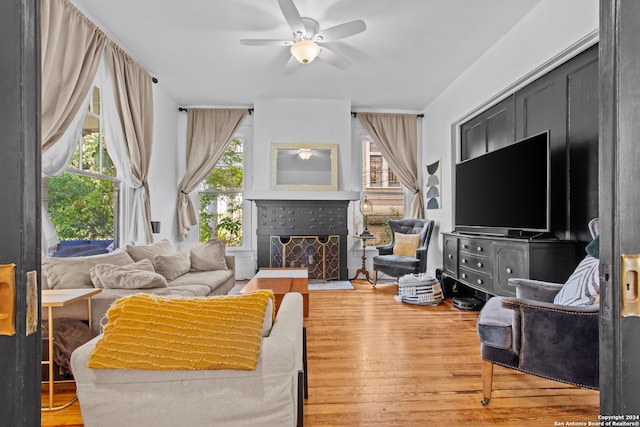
<point x="250" y="110"/>
<point x="355" y="114"/>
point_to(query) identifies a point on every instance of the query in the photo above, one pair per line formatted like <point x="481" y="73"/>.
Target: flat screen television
<point x="506" y="191"/>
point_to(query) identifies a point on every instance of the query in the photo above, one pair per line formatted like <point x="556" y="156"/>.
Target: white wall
<point x="301" y="120"/>
<point x="548" y="31"/>
<point x="163" y="169"/>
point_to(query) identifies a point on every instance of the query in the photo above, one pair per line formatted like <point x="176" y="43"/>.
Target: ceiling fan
<point x="308" y="39"/>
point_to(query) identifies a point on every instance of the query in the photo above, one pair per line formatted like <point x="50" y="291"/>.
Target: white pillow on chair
<point x="583" y="286"/>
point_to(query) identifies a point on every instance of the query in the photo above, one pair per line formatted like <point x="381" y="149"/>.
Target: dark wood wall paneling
<point x="489" y="130"/>
<point x="565" y="101"/>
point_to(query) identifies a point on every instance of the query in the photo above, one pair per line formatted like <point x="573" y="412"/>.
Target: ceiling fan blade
<point x="341" y="31"/>
<point x="334" y="58"/>
<point x="265" y="42"/>
<point x="292" y="16"/>
<point x="291" y="65"/>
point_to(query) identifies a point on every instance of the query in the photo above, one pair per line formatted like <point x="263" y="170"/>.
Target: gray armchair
<point x="532" y="334"/>
<point x="398" y="265"/>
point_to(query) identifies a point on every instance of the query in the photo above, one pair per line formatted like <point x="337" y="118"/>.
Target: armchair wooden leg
<point x="375" y="278"/>
<point x="487" y="382"/>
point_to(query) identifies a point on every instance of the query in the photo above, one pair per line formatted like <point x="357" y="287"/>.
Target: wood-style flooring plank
<point x="377" y="362"/>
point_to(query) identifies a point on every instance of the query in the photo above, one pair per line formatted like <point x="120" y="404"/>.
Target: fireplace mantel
<point x="301" y="195"/>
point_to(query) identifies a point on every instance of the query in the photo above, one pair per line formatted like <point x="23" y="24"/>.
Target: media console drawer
<point x="473" y="262"/>
<point x="475" y="245"/>
<point x="476" y="279"/>
<point x="487" y="263"/>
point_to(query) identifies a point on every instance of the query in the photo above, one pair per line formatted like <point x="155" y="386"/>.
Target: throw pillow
<point x="208" y="256"/>
<point x="128" y="277"/>
<point x="583" y="286"/>
<point x="593" y="248"/>
<point x="172" y="266"/>
<point x="204" y="333"/>
<point x="406" y="244"/>
<point x="163" y="247"/>
<point x="145" y="264"/>
<point x="73" y="273"/>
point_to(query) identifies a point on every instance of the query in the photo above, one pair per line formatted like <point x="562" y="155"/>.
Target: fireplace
<point x="320" y="255"/>
<point x="305" y="222"/>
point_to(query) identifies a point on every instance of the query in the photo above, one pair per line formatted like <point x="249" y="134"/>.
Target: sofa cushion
<point x="211" y="279"/>
<point x="172" y="266"/>
<point x="208" y="256"/>
<point x="406" y="244"/>
<point x="204" y="333"/>
<point x="163" y="247"/>
<point x="139" y="275"/>
<point x="73" y="273"/>
<point x="145" y="264"/>
<point x="583" y="286"/>
<point x="494" y="325"/>
<point x="188" y="291"/>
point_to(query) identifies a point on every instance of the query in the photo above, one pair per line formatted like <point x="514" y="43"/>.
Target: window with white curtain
<point x="83" y="200"/>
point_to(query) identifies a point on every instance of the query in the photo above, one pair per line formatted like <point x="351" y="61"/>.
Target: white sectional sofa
<point x="155" y="268"/>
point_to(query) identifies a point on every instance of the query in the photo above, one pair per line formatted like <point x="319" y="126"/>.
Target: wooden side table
<point x="281" y="281"/>
<point x="363" y="269"/>
<point x="53" y="298"/>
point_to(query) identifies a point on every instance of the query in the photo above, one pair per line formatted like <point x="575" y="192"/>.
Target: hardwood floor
<point x="377" y="362"/>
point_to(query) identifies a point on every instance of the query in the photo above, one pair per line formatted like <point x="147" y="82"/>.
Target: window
<point x="379" y="173"/>
<point x="221" y="197"/>
<point x="383" y="189"/>
<point x="83" y="200"/>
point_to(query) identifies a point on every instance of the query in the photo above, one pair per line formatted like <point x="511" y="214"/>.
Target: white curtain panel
<point x="54" y="162"/>
<point x="57" y="158"/>
<point x="135" y="219"/>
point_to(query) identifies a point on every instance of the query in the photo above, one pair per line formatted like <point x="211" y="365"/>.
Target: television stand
<point x="486" y="263"/>
<point x="530" y="235"/>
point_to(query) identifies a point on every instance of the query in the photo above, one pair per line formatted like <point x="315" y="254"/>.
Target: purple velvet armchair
<point x="532" y="334"/>
<point x="548" y="329"/>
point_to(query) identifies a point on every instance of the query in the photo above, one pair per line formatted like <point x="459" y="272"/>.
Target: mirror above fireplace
<point x="304" y="166"/>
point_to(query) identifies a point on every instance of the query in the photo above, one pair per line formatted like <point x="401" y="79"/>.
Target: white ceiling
<point x="411" y="51"/>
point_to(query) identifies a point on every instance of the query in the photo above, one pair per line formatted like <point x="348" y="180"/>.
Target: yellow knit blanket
<point x="155" y="333"/>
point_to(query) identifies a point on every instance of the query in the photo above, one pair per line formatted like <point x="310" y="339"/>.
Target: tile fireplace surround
<point x="291" y="218"/>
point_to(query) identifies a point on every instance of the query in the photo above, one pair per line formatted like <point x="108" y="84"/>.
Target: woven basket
<point x="420" y="289"/>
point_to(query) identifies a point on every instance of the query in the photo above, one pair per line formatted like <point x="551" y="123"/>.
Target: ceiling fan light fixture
<point x="305" y="153"/>
<point x="305" y="51"/>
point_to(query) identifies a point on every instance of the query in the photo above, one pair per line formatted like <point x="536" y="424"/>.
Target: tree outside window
<point x="221" y="197"/>
<point x="83" y="200"/>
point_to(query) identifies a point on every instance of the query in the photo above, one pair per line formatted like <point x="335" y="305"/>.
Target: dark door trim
<point x="20" y="354"/>
<point x="619" y="201"/>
